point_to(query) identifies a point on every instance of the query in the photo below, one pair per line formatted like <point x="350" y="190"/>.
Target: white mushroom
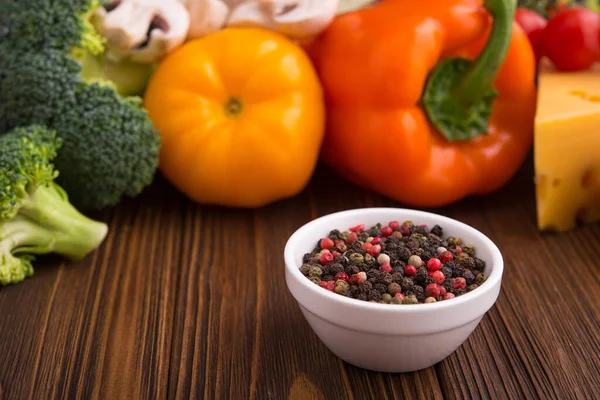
<point x="206" y="16"/>
<point x="298" y="19"/>
<point x="143" y="30"/>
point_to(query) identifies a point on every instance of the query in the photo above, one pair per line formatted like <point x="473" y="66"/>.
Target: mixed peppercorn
<point x="399" y="263"/>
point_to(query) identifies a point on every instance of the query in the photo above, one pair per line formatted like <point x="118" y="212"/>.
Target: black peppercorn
<point x="472" y="287"/>
<point x="374" y="232"/>
<point x="374" y="295"/>
<point x="429" y="280"/>
<point x="351" y="270"/>
<point x="404" y="253"/>
<point x="447" y="272"/>
<point x="386" y="278"/>
<point x="365" y="287"/>
<point x="421" y="230"/>
<point x="398" y="270"/>
<point x="328" y="278"/>
<point x="325" y="269"/>
<point x="380" y="287"/>
<point x="475" y="272"/>
<point x="336" y="268"/>
<point x="458" y="272"/>
<point x="397" y="277"/>
<point x="421" y="275"/>
<point x="448" y="285"/>
<point x="362" y="296"/>
<point x="479" y="264"/>
<point x="315" y="280"/>
<point x="469" y="277"/>
<point x="305" y="258"/>
<point x="450" y="264"/>
<point x="342" y="260"/>
<point x="372" y="274"/>
<point x="406" y="284"/>
<point x="437" y="230"/>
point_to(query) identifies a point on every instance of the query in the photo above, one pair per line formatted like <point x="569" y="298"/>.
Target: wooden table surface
<point x="184" y="301"/>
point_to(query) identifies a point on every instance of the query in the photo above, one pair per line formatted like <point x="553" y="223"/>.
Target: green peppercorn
<point x="415" y="261"/>
<point x="344" y="235"/>
<point x="430" y="300"/>
<point x="412" y="299"/>
<point x="305" y="268"/>
<point x="356" y="259"/>
<point x="315" y="280"/>
<point x="395" y="300"/>
<point x="454" y="241"/>
<point x="386" y="297"/>
<point x="461" y="259"/>
<point x="315" y="271"/>
<point x="472" y="287"/>
<point x="394" y="288"/>
<point x="479" y="279"/>
<point x="469" y="249"/>
<point x="369" y="259"/>
<point x="342" y="287"/>
<point x="419" y="237"/>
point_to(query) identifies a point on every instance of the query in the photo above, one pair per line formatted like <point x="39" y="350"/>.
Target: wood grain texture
<point x="185" y="301"/>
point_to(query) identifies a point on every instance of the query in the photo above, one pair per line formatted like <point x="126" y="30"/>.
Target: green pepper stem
<point x="479" y="78"/>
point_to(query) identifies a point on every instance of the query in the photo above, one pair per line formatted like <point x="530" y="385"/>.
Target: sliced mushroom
<point x="143" y="30"/>
<point x="298" y="19"/>
<point x="206" y="16"/>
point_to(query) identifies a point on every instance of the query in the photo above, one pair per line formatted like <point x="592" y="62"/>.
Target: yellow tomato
<point x="241" y="117"/>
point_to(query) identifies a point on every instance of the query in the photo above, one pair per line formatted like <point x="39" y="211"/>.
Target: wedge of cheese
<point x="567" y="148"/>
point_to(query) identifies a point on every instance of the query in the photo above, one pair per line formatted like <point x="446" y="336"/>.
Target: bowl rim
<point x="490" y="284"/>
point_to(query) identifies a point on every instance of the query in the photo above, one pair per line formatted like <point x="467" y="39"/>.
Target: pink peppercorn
<point x="376" y="240"/>
<point x="386" y="231"/>
<point x="323" y="284"/>
<point x="399" y="296"/>
<point x="335" y="254"/>
<point x="448" y="296"/>
<point x="437" y="276"/>
<point x="375" y="250"/>
<point x="432" y="290"/>
<point x="357" y="228"/>
<point x="442" y="290"/>
<point x="410" y="270"/>
<point x="359" y="278"/>
<point x="385" y="267"/>
<point x="367" y="246"/>
<point x="405" y="230"/>
<point x="460" y="283"/>
<point x="330" y="286"/>
<point x="394" y="225"/>
<point x="326" y="243"/>
<point x="446" y="256"/>
<point x="434" y="264"/>
<point x="342" y="276"/>
<point x="326" y="258"/>
<point x="458" y="250"/>
<point x="352" y="237"/>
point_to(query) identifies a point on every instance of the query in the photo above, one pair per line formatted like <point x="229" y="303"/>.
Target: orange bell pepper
<point x="427" y="101"/>
<point x="241" y="117"/>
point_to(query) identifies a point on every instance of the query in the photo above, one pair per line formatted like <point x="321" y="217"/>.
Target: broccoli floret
<point x="54" y="72"/>
<point x="36" y="216"/>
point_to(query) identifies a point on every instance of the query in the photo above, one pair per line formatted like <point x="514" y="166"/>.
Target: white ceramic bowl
<point x="390" y="337"/>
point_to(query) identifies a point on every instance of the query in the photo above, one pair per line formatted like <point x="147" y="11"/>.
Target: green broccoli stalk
<point x="55" y="72"/>
<point x="36" y="216"/>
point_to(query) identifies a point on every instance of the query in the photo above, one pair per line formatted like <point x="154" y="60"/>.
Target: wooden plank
<point x="187" y="301"/>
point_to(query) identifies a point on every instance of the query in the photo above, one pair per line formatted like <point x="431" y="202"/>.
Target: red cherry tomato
<point x="533" y="24"/>
<point x="570" y="39"/>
